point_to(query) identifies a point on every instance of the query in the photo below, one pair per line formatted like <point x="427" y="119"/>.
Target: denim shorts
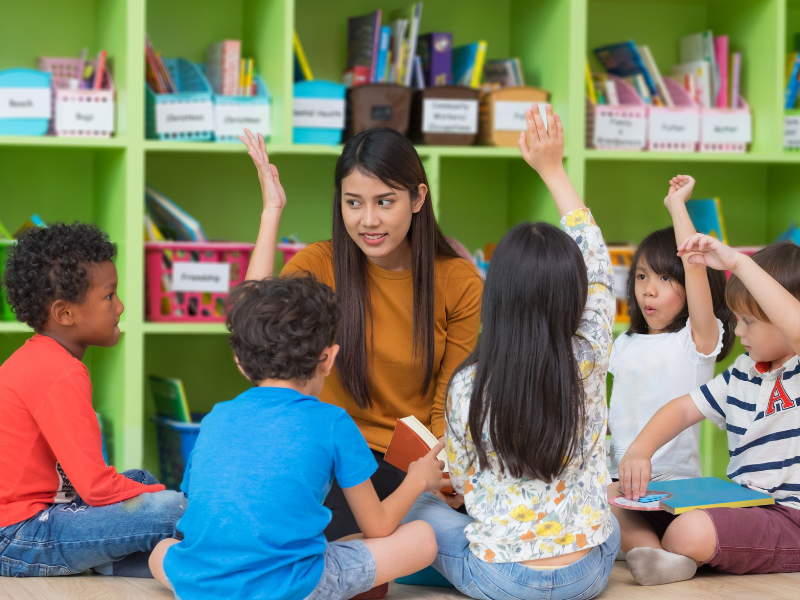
<point x="349" y="570"/>
<point x="582" y="580"/>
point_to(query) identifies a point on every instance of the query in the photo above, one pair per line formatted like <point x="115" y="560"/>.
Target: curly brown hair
<point x="281" y="325"/>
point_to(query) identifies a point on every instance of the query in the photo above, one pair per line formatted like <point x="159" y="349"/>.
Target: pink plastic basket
<point x="737" y="146"/>
<point x="631" y="108"/>
<point x="162" y="303"/>
<point x="683" y="117"/>
<point x="64" y="69"/>
<point x="289" y="249"/>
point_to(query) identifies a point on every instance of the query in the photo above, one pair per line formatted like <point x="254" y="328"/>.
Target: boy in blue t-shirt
<point x="264" y="462"/>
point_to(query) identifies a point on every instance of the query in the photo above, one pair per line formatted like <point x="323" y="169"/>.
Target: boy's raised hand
<point x="429" y="469"/>
<point x="271" y="189"/>
<point x="709" y="251"/>
<point x="680" y="189"/>
<point x="542" y="148"/>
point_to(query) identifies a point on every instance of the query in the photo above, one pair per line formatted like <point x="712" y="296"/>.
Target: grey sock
<point x="621" y="555"/>
<point x="650" y="566"/>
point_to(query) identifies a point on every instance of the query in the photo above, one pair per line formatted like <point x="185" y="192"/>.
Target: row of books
<point x="709" y="73"/>
<point x="166" y="221"/>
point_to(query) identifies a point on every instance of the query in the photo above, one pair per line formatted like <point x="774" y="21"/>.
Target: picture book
<point x="701" y="72"/>
<point x="34" y="221"/>
<point x="700" y="46"/>
<point x="655" y="74"/>
<point x="170" y="398"/>
<point x="736" y="79"/>
<point x="435" y="52"/>
<point x="706" y="215"/>
<point x="468" y="64"/>
<point x="363" y="34"/>
<point x="721" y="55"/>
<point x="407" y="49"/>
<point x="383" y="53"/>
<point x="418" y="80"/>
<point x="506" y="72"/>
<point x="792" y="81"/>
<point x="222" y="66"/>
<point x="174" y="222"/>
<point x="157" y="74"/>
<point x="707" y="492"/>
<point x="398" y="44"/>
<point x="410" y="442"/>
<point x="302" y="70"/>
<point x="624" y="60"/>
<point x="591" y="91"/>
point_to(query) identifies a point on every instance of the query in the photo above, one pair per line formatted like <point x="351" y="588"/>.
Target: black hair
<point x="281" y="325"/>
<point x="388" y="155"/>
<point x="781" y="261"/>
<point x="527" y="381"/>
<point x="52" y="263"/>
<point x="660" y="252"/>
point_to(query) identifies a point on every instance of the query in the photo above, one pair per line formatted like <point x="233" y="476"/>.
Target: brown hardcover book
<point x="411" y="441"/>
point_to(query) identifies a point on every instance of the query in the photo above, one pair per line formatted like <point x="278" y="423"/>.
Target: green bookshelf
<point x="478" y="192"/>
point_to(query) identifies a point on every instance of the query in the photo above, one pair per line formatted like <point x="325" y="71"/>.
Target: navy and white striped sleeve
<point x="710" y="399"/>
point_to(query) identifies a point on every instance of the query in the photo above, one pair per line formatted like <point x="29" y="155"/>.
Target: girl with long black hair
<point x="410" y="305"/>
<point x="526" y="412"/>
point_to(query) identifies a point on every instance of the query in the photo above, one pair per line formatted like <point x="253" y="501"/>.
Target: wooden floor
<point x="707" y="584"/>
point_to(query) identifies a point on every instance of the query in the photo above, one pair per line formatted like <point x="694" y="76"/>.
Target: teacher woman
<point x="410" y="304"/>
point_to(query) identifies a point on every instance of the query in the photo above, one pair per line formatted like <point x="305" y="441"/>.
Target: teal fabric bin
<point x="319" y="112"/>
<point x="26" y="102"/>
<point x="187" y="116"/>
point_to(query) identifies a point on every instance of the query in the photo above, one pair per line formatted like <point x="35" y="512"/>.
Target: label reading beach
<point x="791" y="132"/>
<point x="84" y="116"/>
<point x="620" y="129"/>
<point x="722" y="127"/>
<point x="232" y="119"/>
<point x="179" y="117"/>
<point x="319" y="113"/>
<point x="25" y="103"/>
<point x="449" y="116"/>
<point x="201" y="277"/>
<point x="510" y="116"/>
<point x="668" y="126"/>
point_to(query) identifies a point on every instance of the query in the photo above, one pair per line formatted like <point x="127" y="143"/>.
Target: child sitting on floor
<point x="754" y="401"/>
<point x="265" y="461"/>
<point x="62" y="509"/>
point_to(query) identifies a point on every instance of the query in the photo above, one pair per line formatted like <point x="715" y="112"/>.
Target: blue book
<point x="624" y="60"/>
<point x="706" y="216"/>
<point x="793" y="85"/>
<point x="383" y="53"/>
<point x="707" y="492"/>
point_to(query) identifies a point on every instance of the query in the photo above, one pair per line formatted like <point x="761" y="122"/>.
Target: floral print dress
<point x="524" y="519"/>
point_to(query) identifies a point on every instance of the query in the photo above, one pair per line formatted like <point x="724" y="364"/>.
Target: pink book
<point x="721" y="51"/>
<point x="736" y="79"/>
<point x="222" y="66"/>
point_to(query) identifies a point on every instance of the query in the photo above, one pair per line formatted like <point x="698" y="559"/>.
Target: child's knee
<point x="424" y="535"/>
<point x="156" y="560"/>
<point x="691" y="534"/>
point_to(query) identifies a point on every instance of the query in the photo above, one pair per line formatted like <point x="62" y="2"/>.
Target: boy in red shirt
<point x="62" y="509"/>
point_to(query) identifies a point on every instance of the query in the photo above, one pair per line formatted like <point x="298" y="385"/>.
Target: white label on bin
<point x="25" y="103"/>
<point x="791" y="132"/>
<point x="727" y="127"/>
<point x="319" y="113"/>
<point x="510" y="116"/>
<point x="180" y="117"/>
<point x="442" y="115"/>
<point x="232" y="119"/>
<point x="669" y="126"/>
<point x="620" y="130"/>
<point x="84" y="116"/>
<point x="201" y="277"/>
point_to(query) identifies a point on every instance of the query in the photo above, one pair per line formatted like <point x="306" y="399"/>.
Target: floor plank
<point x="706" y="584"/>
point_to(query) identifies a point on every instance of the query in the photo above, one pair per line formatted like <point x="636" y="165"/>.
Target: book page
<point x="424" y="433"/>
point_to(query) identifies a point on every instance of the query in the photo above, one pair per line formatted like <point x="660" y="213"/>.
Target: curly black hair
<point x="280" y="326"/>
<point x="52" y="263"/>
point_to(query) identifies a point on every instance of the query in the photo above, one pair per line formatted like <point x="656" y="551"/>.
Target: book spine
<point x="477" y="69"/>
<point x="231" y="55"/>
<point x="611" y="92"/>
<point x="736" y="69"/>
<point x="441" y="60"/>
<point x="376" y="40"/>
<point x="589" y="83"/>
<point x="721" y="49"/>
<point x="793" y="85"/>
<point x="383" y="53"/>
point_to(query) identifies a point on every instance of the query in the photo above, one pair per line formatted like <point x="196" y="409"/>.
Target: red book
<point x="410" y="442"/>
<point x="101" y="71"/>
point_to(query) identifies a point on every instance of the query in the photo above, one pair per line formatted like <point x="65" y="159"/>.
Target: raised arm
<point x="782" y="309"/>
<point x="705" y="331"/>
<point x="274" y="199"/>
<point x="543" y="149"/>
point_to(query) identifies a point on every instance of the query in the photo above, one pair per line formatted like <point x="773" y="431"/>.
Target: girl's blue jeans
<point x="479" y="579"/>
<point x="70" y="538"/>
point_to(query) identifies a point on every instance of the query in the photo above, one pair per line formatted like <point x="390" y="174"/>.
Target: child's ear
<point x="328" y="359"/>
<point x="62" y="313"/>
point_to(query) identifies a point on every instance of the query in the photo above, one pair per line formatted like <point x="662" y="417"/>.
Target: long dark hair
<point x="660" y="251"/>
<point x="527" y="380"/>
<point x="386" y="154"/>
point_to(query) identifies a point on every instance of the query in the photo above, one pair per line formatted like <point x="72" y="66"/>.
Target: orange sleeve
<point x="69" y="424"/>
<point x="463" y="325"/>
<point x="316" y="258"/>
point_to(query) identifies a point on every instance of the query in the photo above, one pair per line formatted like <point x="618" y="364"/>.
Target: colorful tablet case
<point x="708" y="492"/>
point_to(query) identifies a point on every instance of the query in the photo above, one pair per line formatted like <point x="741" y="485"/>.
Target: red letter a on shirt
<point x="779" y="395"/>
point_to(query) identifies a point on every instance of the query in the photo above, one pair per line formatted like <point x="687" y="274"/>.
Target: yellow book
<point x="590" y="83"/>
<point x="301" y="58"/>
<point x="477" y="71"/>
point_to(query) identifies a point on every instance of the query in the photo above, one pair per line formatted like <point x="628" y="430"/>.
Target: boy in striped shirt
<point x="756" y="400"/>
